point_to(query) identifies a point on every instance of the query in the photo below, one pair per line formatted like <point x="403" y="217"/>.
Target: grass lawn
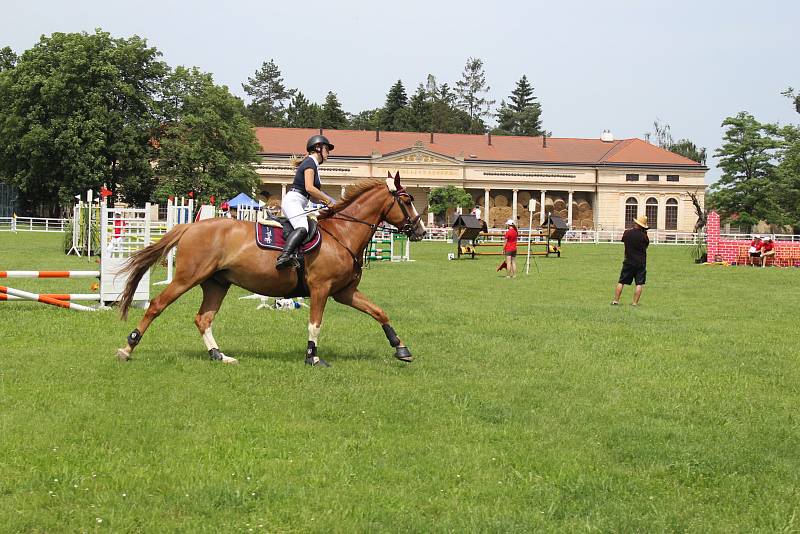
<point x="532" y="405"/>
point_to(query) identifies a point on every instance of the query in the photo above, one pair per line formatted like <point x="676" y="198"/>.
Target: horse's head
<point x="402" y="212"/>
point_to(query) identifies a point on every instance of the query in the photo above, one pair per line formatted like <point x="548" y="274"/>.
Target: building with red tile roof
<point x="598" y="183"/>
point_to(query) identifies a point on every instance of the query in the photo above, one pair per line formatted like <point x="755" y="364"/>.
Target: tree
<point x="747" y="190"/>
<point x="469" y="91"/>
<point x="365" y="120"/>
<point x="396" y="100"/>
<point x="7" y="58"/>
<point x="795" y="97"/>
<point x="332" y="116"/>
<point x="207" y="145"/>
<point x="523" y="115"/>
<point x="416" y="117"/>
<point x="662" y="137"/>
<point x="269" y="96"/>
<point x="302" y="113"/>
<point x="441" y="199"/>
<point x="688" y="149"/>
<point x="77" y="112"/>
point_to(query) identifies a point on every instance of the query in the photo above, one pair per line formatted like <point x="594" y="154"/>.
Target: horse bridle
<point x="408" y="225"/>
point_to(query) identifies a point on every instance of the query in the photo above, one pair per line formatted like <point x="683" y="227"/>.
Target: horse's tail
<point x="141" y="261"/>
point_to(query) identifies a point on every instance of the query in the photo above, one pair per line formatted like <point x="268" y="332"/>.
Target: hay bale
<point x="559" y="204"/>
<point x="499" y="215"/>
<point x="500" y="201"/>
<point x="523" y="198"/>
<point x="583" y="205"/>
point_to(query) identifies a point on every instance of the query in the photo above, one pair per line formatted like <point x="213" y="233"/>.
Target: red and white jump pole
<point x="58" y="296"/>
<point x="10" y="291"/>
<point x="49" y="274"/>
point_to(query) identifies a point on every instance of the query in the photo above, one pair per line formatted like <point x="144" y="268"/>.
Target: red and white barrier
<point x="41" y="298"/>
<point x="58" y="296"/>
<point x="49" y="274"/>
<point x="123" y="231"/>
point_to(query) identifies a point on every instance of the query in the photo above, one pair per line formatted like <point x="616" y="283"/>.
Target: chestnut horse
<point x="216" y="253"/>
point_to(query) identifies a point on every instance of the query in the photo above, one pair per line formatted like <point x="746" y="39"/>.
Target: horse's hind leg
<point x="213" y="294"/>
<point x="174" y="290"/>
<point x="356" y="299"/>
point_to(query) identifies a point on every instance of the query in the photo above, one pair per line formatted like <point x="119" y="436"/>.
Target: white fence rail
<point x="32" y="224"/>
<point x="660" y="237"/>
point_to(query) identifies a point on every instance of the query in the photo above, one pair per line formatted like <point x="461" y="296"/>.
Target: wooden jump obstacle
<point x="470" y="236"/>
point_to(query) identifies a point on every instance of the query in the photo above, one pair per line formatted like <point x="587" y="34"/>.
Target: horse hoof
<point x="123" y="355"/>
<point x="229" y="360"/>
<point x="403" y="354"/>
<point x="316" y="362"/>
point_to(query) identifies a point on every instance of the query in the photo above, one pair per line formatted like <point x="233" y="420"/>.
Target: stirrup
<point x="285" y="262"/>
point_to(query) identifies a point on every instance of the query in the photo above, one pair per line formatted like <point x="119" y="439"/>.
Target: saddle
<point x="271" y="232"/>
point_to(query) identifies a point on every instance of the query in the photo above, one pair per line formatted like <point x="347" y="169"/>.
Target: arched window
<point x="631" y="211"/>
<point x="671" y="214"/>
<point x="651" y="211"/>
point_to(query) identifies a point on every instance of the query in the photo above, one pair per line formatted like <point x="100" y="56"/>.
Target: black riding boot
<point x="287" y="257"/>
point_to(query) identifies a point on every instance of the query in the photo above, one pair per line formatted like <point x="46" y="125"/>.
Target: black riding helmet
<point x="315" y="140"/>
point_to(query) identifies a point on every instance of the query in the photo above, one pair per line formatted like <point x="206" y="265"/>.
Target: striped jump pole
<point x="49" y="274"/>
<point x="41" y="298"/>
<point x="58" y="296"/>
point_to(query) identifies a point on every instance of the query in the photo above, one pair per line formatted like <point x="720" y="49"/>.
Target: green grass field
<point x="532" y="405"/>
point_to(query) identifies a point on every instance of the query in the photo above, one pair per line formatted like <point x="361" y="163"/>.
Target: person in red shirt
<point x="755" y="250"/>
<point x="510" y="248"/>
<point x="767" y="250"/>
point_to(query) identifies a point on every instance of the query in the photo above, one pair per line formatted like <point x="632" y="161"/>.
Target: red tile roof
<point x="362" y="143"/>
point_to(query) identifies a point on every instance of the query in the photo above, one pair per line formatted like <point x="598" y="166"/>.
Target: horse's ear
<point x="389" y="174"/>
<point x="397" y="180"/>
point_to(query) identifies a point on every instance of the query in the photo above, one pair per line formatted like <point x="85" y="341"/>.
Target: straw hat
<point x="641" y="220"/>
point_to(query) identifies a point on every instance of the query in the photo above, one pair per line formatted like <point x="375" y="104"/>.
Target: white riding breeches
<point x="293" y="207"/>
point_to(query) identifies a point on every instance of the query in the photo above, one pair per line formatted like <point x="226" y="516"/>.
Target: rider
<point x="306" y="186"/>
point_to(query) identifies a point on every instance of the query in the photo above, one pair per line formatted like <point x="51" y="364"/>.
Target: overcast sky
<point x="594" y="65"/>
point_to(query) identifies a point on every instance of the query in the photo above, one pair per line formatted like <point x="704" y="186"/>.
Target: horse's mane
<point x="351" y="193"/>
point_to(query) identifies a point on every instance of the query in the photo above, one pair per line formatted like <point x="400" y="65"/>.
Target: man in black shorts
<point x="634" y="267"/>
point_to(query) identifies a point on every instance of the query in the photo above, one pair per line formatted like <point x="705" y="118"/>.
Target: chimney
<point x="320" y="131"/>
<point x="607" y="136"/>
<point x="544" y="140"/>
<point x="490" y="138"/>
<point x="431" y="137"/>
<point x="377" y="135"/>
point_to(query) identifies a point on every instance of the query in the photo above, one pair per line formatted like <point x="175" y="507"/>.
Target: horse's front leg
<point x="318" y="299"/>
<point x="356" y="299"/>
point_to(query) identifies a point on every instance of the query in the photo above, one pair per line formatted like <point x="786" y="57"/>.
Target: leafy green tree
<point x="269" y="96"/>
<point x="366" y="120"/>
<point x="748" y="186"/>
<point x="302" y="113"/>
<point x="661" y="136"/>
<point x="471" y="91"/>
<point x="688" y="149"/>
<point x="441" y="199"/>
<point x="788" y="172"/>
<point x="77" y="112"/>
<point x="207" y="144"/>
<point x="333" y="116"/>
<point x="396" y="100"/>
<point x="7" y="58"/>
<point x="795" y="97"/>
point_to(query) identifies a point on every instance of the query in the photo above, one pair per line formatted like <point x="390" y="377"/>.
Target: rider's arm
<point x="314" y="192"/>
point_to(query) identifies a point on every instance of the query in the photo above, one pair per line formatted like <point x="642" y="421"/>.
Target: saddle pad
<point x="271" y="238"/>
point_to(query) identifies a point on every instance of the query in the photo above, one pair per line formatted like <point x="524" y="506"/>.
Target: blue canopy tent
<point x="242" y="200"/>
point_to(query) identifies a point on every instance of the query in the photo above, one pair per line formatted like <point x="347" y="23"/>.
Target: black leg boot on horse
<point x="288" y="257"/>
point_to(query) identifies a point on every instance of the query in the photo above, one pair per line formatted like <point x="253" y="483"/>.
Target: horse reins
<point x="407" y="228"/>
